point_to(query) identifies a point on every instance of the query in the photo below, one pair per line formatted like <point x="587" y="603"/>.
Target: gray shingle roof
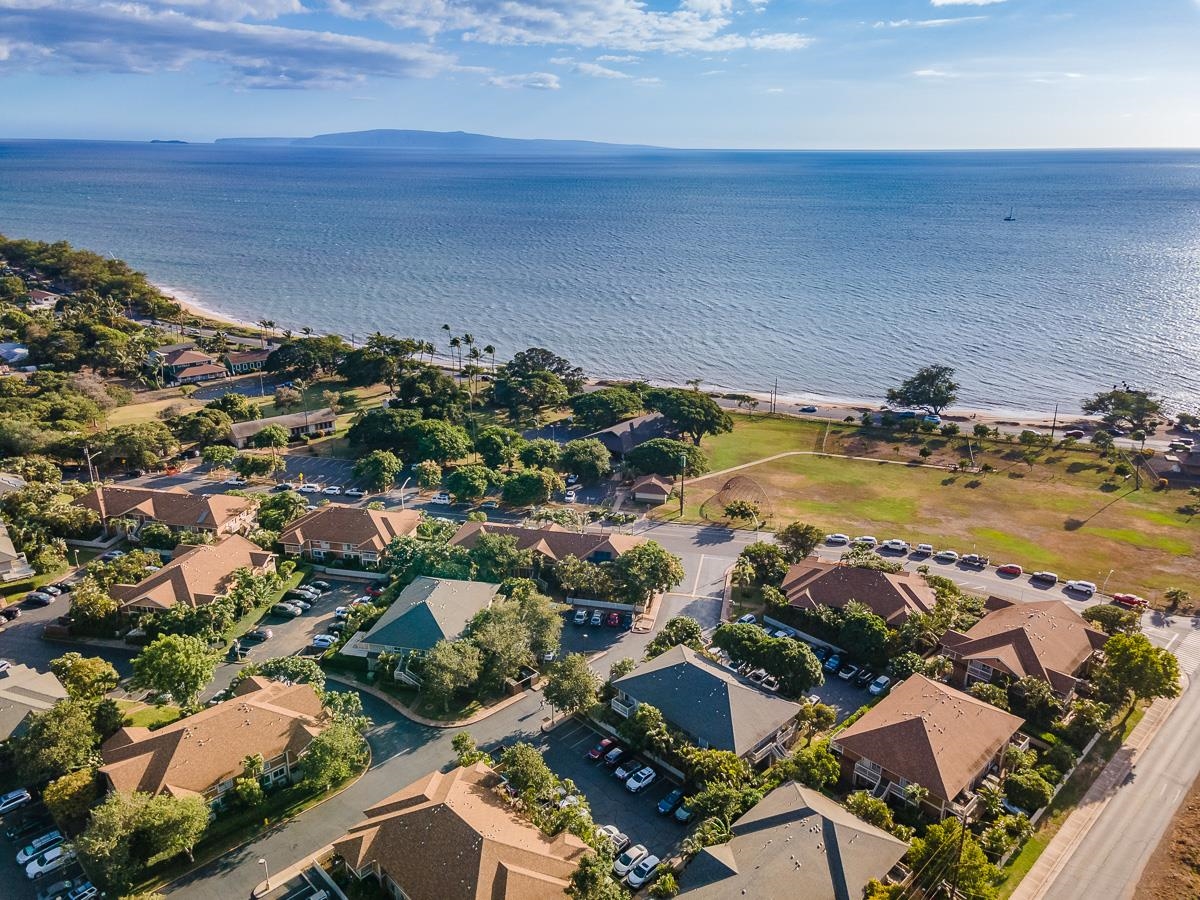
<point x="794" y="843"/>
<point x="707" y="701"/>
<point x="430" y="610"/>
<point x="624" y="436"/>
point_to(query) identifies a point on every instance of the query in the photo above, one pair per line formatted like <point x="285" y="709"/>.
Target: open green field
<point x="1058" y="512"/>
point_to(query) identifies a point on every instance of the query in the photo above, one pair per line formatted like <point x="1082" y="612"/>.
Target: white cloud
<point x="608" y="57"/>
<point x="964" y="2"/>
<point x="934" y="73"/>
<point x="108" y="36"/>
<point x="595" y="70"/>
<point x="774" y="90"/>
<point x="540" y="81"/>
<point x="928" y="23"/>
<point x="712" y="72"/>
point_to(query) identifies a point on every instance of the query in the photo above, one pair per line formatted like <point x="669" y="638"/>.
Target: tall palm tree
<point x="455" y="345"/>
<point x="492" y="350"/>
<point x="264" y="324"/>
<point x="306" y="331"/>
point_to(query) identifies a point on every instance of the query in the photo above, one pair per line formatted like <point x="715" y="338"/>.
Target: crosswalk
<point x="1187" y="649"/>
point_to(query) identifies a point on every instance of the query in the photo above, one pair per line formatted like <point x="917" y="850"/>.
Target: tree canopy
<point x="179" y="665"/>
<point x="1124" y="405"/>
<point x="607" y="406"/>
<point x="932" y="389"/>
<point x="695" y="414"/>
<point x="660" y="456"/>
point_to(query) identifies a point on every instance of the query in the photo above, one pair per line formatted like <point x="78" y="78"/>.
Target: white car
<point x="441" y="498"/>
<point x="50" y="861"/>
<point x="234" y="480"/>
<point x="838" y="539"/>
<point x="628" y="860"/>
<point x="581" y="617"/>
<point x="1081" y="587"/>
<point x="310" y="488"/>
<point x="923" y="549"/>
<point x="572" y="479"/>
<point x="879" y="686"/>
<point x="895" y="545"/>
<point x="5" y="665"/>
<point x="39" y="845"/>
<point x="615" y="836"/>
<point x="324" y="641"/>
<point x="640" y="780"/>
<point x="947" y="556"/>
<point x="14" y="800"/>
<point x="333" y="490"/>
<point x="356" y="492"/>
<point x="287" y="609"/>
<point x="865" y="540"/>
<point x="305" y="589"/>
<point x="570" y="497"/>
<point x="643" y="871"/>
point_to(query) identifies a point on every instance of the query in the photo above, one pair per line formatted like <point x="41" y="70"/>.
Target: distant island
<point x="453" y="141"/>
<point x="157" y="141"/>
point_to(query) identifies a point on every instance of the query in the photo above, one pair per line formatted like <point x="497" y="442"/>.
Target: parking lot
<point x="636" y="815"/>
<point x="16" y="885"/>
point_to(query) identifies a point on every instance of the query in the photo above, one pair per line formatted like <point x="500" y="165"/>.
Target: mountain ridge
<point x="460" y="141"/>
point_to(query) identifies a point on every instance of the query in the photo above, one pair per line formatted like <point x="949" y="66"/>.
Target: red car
<point x="1009" y="569"/>
<point x="373" y="591"/>
<point x="613" y="620"/>
<point x="1130" y="601"/>
<point x="600" y="749"/>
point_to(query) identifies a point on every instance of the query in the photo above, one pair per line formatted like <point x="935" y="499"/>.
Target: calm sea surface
<point x="836" y="273"/>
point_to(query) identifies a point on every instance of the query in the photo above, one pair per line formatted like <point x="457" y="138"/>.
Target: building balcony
<point x="624" y="708"/>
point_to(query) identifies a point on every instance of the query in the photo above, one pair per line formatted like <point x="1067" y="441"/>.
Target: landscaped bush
<point x="1028" y="790"/>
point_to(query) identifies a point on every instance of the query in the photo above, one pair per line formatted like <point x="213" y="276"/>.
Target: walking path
<point x="421" y="720"/>
<point x="1040" y="879"/>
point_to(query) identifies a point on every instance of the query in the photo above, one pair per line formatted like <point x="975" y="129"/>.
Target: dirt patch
<point x="1174" y="869"/>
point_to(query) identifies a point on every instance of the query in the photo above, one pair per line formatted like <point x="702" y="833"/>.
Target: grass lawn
<point x="140" y="715"/>
<point x="1063" y="804"/>
<point x="148" y="412"/>
<point x="1058" y="513"/>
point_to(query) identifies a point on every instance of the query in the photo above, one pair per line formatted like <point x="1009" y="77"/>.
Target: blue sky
<point x="689" y="73"/>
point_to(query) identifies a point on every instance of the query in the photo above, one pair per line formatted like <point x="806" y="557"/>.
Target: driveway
<point x="634" y="814"/>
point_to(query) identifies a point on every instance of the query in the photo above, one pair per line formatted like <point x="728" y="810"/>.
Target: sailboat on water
<point x="1010" y="217"/>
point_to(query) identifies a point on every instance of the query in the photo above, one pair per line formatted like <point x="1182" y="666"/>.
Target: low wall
<point x="350" y="574"/>
<point x="803" y="635"/>
<point x="604" y="604"/>
<point x="107" y="544"/>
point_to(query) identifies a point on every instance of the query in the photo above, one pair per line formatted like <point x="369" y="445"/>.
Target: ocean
<point x="835" y="273"/>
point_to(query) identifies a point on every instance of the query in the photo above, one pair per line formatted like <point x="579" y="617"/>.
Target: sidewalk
<point x="1041" y="877"/>
<point x="421" y="720"/>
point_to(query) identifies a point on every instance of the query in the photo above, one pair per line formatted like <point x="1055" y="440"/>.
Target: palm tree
<point x="264" y="324"/>
<point x="306" y="331"/>
<point x="492" y="350"/>
<point x="455" y="344"/>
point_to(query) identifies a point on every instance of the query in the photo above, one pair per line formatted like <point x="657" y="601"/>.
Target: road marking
<point x="1171" y="642"/>
<point x="699" y="572"/>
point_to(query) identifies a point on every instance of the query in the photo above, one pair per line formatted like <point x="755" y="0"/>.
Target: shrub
<point x="1061" y="756"/>
<point x="1028" y="790"/>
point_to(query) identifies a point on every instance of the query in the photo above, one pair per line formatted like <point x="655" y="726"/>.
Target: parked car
<point x="286" y="609"/>
<point x="30" y="825"/>
<point x="613" y="620"/>
<point x="1044" y="577"/>
<point x="614" y="835"/>
<point x="667" y="804"/>
<point x="643" y="872"/>
<point x="298" y="594"/>
<point x="1010" y="569"/>
<point x="321" y="586"/>
<point x="39" y="599"/>
<point x="441" y="498"/>
<point x="597" y="618"/>
<point x="5" y="665"/>
<point x="570" y="496"/>
<point x="808" y="409"/>
<point x="373" y="591"/>
<point x="640" y="780"/>
<point x="1130" y="601"/>
<point x="600" y="749"/>
<point x="324" y="641"/>
<point x="1075" y="433"/>
<point x="51" y="861"/>
<point x="581" y="617"/>
<point x="771" y="683"/>
<point x="614" y="756"/>
<point x="974" y="559"/>
<point x="11" y="612"/>
<point x="1086" y="588"/>
<point x="14" y="800"/>
<point x="837" y="539"/>
<point x="864" y="677"/>
<point x="258" y="635"/>
<point x="490" y="504"/>
<point x="50" y="589"/>
<point x="64" y="587"/>
<point x="626" y="769"/>
<point x="356" y="492"/>
<point x="284" y="486"/>
<point x="923" y="549"/>
<point x="757" y="675"/>
<point x="59" y="889"/>
<point x="848" y="671"/>
<point x="628" y="860"/>
<point x="821" y="653"/>
<point x="310" y="488"/>
<point x="38" y="845"/>
<point x="833" y="663"/>
<point x="865" y="540"/>
<point x="880" y="686"/>
<point x="946" y="556"/>
<point x="235" y="481"/>
<point x="747" y="619"/>
<point x="894" y="545"/>
<point x="85" y="891"/>
<point x="932" y="419"/>
<point x="333" y="490"/>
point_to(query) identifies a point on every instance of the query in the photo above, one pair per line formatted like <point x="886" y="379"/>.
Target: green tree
<point x="871" y="810"/>
<point x="438" y="441"/>
<point x="693" y="413"/>
<point x="621" y="668"/>
<point x="532" y="486"/>
<point x="1028" y="790"/>
<point x="1132" y="665"/>
<point x="296" y="669"/>
<point x="815" y="766"/>
<point x="571" y="684"/>
<point x="333" y="756"/>
<point x="497" y="557"/>
<point x="527" y="771"/>
<point x="793" y="663"/>
<point x="449" y="668"/>
<point x="276" y="511"/>
<point x="768" y="561"/>
<point x="816" y="717"/>
<point x="429" y="475"/>
<point x="383" y="429"/>
<point x="541" y="453"/>
<point x="990" y="693"/>
<point x="85" y="678"/>
<point x="142" y="445"/>
<point x="743" y="509"/>
<point x="379" y="469"/>
<point x="932" y="389"/>
<point x="505" y="640"/>
<point x="247" y="787"/>
<point x="661" y="456"/>
<point x="273" y="436"/>
<point x="587" y="458"/>
<point x="174" y="664"/>
<point x="798" y="540"/>
<point x="69" y="797"/>
<point x="498" y="446"/>
<point x="1136" y="408"/>
<point x="466" y="750"/>
<point x="237" y="406"/>
<point x="604" y="407"/>
<point x="643" y="571"/>
<point x="863" y="634"/>
<point x="219" y="456"/>
<point x="583" y="579"/>
<point x="936" y="856"/>
<point x="205" y="426"/>
<point x="708" y="766"/>
<point x="677" y="630"/>
<point x="593" y="880"/>
<point x="646" y="729"/>
<point x="469" y="483"/>
<point x="287" y="398"/>
<point x="55" y="741"/>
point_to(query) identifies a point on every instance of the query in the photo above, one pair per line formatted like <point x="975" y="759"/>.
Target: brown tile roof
<point x="932" y="734"/>
<point x="553" y="542"/>
<point x="364" y="529"/>
<point x="450" y="836"/>
<point x="186" y="356"/>
<point x="246" y="356"/>
<point x="173" y="507"/>
<point x="197" y="575"/>
<point x="197" y="753"/>
<point x="1043" y="638"/>
<point x="893" y="598"/>
<point x="652" y="484"/>
<point x="795" y="842"/>
<point x="201" y="369"/>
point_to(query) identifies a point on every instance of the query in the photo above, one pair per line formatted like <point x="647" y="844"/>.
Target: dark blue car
<point x="667" y="804"/>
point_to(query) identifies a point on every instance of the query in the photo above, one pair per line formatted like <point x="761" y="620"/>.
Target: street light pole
<point x="402" y="487"/>
<point x="262" y="861"/>
<point x="682" y="469"/>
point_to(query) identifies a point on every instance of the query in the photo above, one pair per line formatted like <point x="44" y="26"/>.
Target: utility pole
<point x="774" y="395"/>
<point x="682" y="469"/>
<point x="1054" y="423"/>
<point x="962" y="836"/>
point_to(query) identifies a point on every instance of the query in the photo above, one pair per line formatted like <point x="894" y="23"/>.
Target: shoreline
<point x="787" y="404"/>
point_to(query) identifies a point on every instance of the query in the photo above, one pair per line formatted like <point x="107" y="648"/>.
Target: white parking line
<point x="699" y="572"/>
